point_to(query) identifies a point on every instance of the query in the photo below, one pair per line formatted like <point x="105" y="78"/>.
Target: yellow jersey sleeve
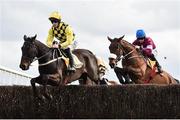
<point x="50" y="38"/>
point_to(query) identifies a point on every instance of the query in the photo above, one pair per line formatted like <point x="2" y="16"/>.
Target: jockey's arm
<point x="137" y="47"/>
<point x="69" y="37"/>
<point x="136" y="43"/>
<point x="148" y="50"/>
<point x="50" y="38"/>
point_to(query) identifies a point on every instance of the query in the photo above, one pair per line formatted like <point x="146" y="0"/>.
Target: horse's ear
<point x="34" y="37"/>
<point x="109" y="39"/>
<point x="122" y="37"/>
<point x="25" y="37"/>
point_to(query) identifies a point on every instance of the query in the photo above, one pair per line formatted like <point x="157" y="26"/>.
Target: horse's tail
<point x="177" y="80"/>
<point x="90" y="52"/>
<point x="102" y="66"/>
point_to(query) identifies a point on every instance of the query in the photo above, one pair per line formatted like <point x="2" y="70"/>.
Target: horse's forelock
<point x="30" y="39"/>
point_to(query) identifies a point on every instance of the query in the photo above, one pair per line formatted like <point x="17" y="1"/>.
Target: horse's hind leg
<point x="94" y="76"/>
<point x="85" y="80"/>
<point x="82" y="79"/>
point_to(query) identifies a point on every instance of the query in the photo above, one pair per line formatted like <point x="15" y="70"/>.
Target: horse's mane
<point x="129" y="44"/>
<point x="41" y="45"/>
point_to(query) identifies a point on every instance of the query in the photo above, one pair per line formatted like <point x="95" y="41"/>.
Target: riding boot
<point x="152" y="57"/>
<point x="71" y="60"/>
<point x="119" y="75"/>
<point x="158" y="67"/>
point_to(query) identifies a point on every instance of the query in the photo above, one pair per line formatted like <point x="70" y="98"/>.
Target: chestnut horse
<point x="53" y="71"/>
<point x="134" y="64"/>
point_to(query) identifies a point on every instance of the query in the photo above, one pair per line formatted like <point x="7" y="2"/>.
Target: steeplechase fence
<point x="73" y="101"/>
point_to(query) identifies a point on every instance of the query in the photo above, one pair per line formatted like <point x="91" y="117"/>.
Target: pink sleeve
<point x="136" y="42"/>
<point x="151" y="42"/>
<point x="147" y="51"/>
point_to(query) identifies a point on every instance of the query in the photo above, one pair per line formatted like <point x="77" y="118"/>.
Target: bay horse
<point x="53" y="71"/>
<point x="135" y="65"/>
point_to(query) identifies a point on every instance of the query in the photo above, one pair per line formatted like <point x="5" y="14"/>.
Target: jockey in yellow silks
<point x="64" y="34"/>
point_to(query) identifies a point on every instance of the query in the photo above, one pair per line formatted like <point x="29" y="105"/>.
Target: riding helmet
<point x="140" y="34"/>
<point x="55" y="15"/>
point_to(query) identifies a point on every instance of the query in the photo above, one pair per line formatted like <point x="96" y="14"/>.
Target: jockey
<point x="64" y="34"/>
<point x="147" y="46"/>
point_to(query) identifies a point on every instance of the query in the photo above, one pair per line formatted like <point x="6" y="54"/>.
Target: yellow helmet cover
<point x="55" y="15"/>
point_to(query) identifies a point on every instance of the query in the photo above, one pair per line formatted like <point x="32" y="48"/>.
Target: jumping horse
<point x="52" y="67"/>
<point x="135" y="65"/>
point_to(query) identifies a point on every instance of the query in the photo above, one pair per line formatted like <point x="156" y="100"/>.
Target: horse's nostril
<point x="112" y="65"/>
<point x="22" y="66"/>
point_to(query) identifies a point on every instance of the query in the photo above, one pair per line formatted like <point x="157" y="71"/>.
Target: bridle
<point x="125" y="56"/>
<point x="37" y="58"/>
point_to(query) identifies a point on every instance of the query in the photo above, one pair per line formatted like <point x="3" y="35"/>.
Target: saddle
<point x="62" y="55"/>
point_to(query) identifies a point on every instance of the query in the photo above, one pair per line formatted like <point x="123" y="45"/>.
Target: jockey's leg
<point x="152" y="57"/>
<point x="71" y="60"/>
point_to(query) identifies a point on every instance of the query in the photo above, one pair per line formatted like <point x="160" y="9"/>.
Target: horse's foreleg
<point x="46" y="79"/>
<point x="45" y="93"/>
<point x="119" y="73"/>
<point x="42" y="80"/>
<point x="33" y="84"/>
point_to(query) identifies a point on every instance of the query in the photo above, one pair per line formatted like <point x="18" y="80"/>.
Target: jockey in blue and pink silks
<point x="147" y="46"/>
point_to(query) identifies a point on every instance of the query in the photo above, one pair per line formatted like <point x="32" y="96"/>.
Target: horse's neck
<point x="42" y="50"/>
<point x="134" y="56"/>
<point x="128" y="47"/>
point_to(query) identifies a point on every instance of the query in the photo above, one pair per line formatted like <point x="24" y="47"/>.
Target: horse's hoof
<point x="48" y="97"/>
<point x="38" y="98"/>
<point x="43" y="98"/>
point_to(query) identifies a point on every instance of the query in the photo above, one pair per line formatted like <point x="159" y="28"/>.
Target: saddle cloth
<point x="77" y="62"/>
<point x="151" y="63"/>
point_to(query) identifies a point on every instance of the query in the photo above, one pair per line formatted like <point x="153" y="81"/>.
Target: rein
<point x="124" y="56"/>
<point x="54" y="59"/>
<point x="41" y="56"/>
<point x="43" y="64"/>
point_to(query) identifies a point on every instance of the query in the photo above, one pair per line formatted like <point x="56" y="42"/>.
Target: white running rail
<point x="12" y="77"/>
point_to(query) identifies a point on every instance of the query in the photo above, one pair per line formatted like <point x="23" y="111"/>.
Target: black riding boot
<point x="158" y="67"/>
<point x="71" y="60"/>
<point x="152" y="57"/>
